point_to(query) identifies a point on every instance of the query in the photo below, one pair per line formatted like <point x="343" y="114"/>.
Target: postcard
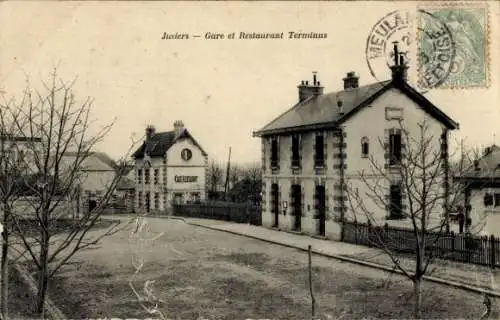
<point x="250" y="160"/>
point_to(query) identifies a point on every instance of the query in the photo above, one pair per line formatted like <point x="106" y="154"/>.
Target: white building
<point x="481" y="185"/>
<point x="313" y="150"/>
<point x="97" y="173"/>
<point x="171" y="167"/>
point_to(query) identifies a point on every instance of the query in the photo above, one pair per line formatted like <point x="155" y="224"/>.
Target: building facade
<point x="315" y="151"/>
<point x="481" y="195"/>
<point x="171" y="167"/>
<point x="97" y="173"/>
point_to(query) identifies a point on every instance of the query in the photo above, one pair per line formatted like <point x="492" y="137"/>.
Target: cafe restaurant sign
<point x="183" y="179"/>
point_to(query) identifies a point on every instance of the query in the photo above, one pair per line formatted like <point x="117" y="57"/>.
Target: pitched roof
<point x="125" y="184"/>
<point x="488" y="165"/>
<point x="96" y="161"/>
<point x="160" y="142"/>
<point x="321" y="112"/>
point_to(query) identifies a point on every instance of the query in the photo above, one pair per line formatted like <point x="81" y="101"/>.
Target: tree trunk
<point x="5" y="275"/>
<point x="417" y="295"/>
<point x="42" y="276"/>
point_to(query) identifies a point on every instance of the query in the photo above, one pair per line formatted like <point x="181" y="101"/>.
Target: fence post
<point x="356" y="231"/>
<point x="453" y="241"/>
<point x="493" y="258"/>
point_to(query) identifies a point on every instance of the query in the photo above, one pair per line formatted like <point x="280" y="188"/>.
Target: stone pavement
<point x="466" y="276"/>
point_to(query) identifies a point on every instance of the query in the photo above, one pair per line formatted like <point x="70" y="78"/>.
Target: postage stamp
<point x="452" y="46"/>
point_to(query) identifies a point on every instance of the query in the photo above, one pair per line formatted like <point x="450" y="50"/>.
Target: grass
<point x="201" y="272"/>
<point x="22" y="303"/>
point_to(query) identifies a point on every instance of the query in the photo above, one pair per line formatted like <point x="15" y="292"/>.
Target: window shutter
<point x="300" y="150"/>
<point x="325" y="145"/>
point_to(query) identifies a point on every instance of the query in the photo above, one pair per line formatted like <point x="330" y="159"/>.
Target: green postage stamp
<point x="453" y="46"/>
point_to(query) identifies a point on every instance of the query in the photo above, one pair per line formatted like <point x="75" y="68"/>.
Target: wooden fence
<point x="235" y="212"/>
<point x="450" y="246"/>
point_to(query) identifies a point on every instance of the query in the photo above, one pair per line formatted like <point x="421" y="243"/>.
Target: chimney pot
<point x="399" y="69"/>
<point x="351" y="80"/>
<point x="150" y="132"/>
<point x="178" y="127"/>
<point x="306" y="91"/>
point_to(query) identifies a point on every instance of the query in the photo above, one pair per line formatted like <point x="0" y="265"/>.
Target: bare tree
<point x="417" y="177"/>
<point x="61" y="124"/>
<point x="236" y="174"/>
<point x="11" y="169"/>
<point x="215" y="176"/>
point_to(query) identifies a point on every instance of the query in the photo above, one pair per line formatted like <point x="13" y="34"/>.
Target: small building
<point x="481" y="186"/>
<point x="312" y="151"/>
<point x="18" y="167"/>
<point x="171" y="168"/>
<point x="97" y="173"/>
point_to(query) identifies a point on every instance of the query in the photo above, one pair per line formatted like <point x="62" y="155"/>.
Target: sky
<point x="223" y="89"/>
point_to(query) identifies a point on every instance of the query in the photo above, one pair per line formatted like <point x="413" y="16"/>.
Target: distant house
<point x="18" y="166"/>
<point x="125" y="190"/>
<point x="97" y="173"/>
<point x="482" y="193"/>
<point x="171" y="167"/>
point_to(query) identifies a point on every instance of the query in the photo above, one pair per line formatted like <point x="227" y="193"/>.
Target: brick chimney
<point x="399" y="69"/>
<point x="306" y="90"/>
<point x="150" y="132"/>
<point x="178" y="127"/>
<point x="351" y="80"/>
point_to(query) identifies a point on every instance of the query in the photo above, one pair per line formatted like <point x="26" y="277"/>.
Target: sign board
<point x="185" y="179"/>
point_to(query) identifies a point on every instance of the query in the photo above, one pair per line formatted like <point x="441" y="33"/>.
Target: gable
<point x="175" y="154"/>
<point x="95" y="161"/>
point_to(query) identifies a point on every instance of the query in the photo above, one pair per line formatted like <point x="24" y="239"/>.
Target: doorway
<point x="92" y="205"/>
<point x="320" y="209"/>
<point x="296" y="199"/>
<point x="275" y="204"/>
<point x="148" y="202"/>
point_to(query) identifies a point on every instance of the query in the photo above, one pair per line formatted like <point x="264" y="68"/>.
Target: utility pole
<point x="226" y="185"/>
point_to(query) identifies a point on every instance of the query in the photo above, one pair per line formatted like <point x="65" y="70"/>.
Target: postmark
<point x="468" y="26"/>
<point x="436" y="51"/>
<point x="395" y="26"/>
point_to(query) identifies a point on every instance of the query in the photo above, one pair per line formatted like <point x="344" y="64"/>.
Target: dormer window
<point x="365" y="147"/>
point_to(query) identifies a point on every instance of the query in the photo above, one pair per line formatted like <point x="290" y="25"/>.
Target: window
<point x="364" y="147"/>
<point x="295" y="151"/>
<point x="195" y="197"/>
<point x="139" y="176"/>
<point x="274" y="153"/>
<point x="139" y="200"/>
<point x="396" y="202"/>
<point x="157" y="200"/>
<point x="497" y="199"/>
<point x="488" y="200"/>
<point x="156" y="176"/>
<point x="146" y="176"/>
<point x="178" y="198"/>
<point x="393" y="113"/>
<point x="319" y="161"/>
<point x="395" y="148"/>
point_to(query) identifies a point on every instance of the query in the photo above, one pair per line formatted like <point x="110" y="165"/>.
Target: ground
<point x="216" y="275"/>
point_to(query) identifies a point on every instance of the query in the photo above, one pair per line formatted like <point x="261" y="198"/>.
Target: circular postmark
<point x="436" y="51"/>
<point x="395" y="26"/>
